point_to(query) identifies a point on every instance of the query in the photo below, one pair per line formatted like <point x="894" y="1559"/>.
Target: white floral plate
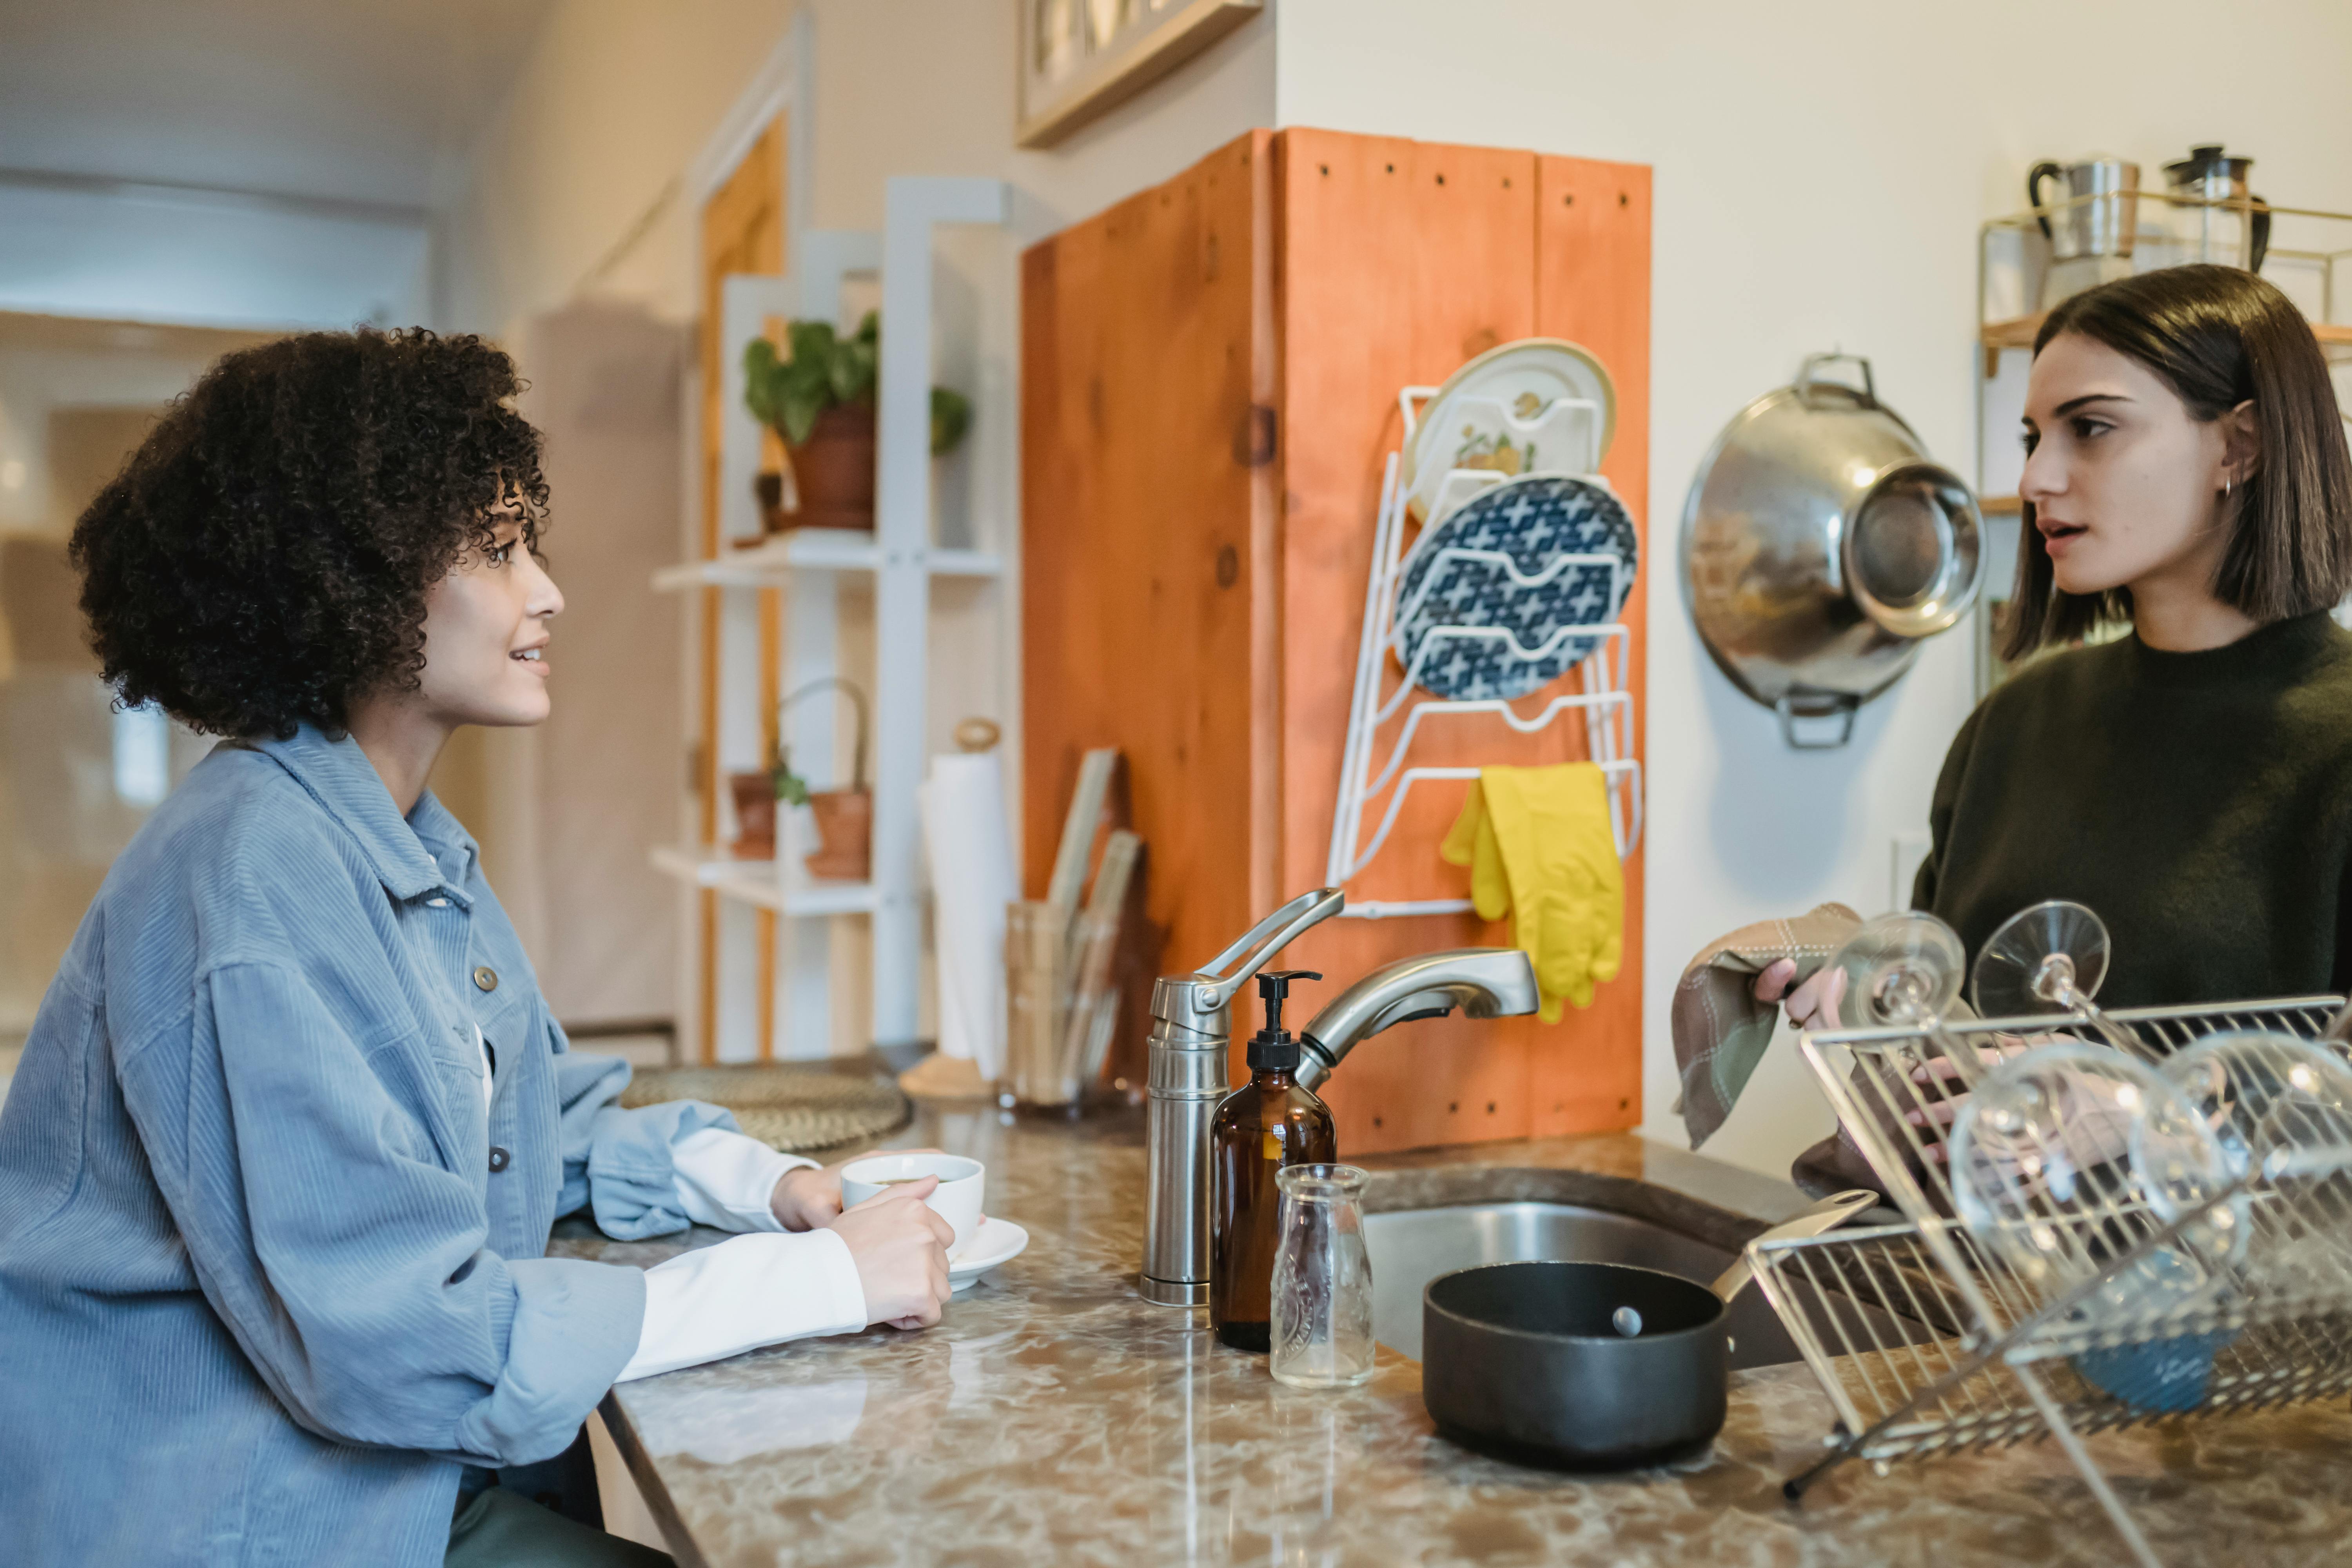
<point x="996" y="1243"/>
<point x="1522" y="380"/>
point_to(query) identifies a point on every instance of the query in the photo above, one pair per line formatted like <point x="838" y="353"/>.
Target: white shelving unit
<point x="900" y="562"/>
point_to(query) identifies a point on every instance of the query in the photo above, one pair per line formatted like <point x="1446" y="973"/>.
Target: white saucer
<point x="995" y="1243"/>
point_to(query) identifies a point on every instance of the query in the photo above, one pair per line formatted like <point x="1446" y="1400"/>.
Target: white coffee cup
<point x="955" y="1200"/>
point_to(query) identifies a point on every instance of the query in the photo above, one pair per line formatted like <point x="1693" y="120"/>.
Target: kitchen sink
<point x="1409" y="1248"/>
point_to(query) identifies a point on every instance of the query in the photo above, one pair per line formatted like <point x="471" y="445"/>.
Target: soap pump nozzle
<point x="1274" y="1047"/>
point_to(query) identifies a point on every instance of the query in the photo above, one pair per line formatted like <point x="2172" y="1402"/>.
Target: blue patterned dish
<point x="1533" y="520"/>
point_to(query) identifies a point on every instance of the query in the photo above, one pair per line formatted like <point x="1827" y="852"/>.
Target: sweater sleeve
<point x="619" y="1165"/>
<point x="751" y="1290"/>
<point x="1940" y="809"/>
<point x="351" y="1265"/>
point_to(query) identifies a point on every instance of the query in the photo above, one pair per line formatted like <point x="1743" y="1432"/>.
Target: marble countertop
<point x="1056" y="1417"/>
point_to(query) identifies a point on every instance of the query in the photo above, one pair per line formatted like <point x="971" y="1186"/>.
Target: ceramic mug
<point x="956" y="1199"/>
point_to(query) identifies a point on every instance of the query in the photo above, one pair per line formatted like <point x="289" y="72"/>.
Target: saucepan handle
<point x="1827" y="1214"/>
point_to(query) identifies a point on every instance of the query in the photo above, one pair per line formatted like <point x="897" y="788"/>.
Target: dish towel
<point x="1720" y="1029"/>
<point x="1540" y="849"/>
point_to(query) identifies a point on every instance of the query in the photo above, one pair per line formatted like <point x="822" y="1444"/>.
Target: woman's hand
<point x="1813" y="1005"/>
<point x="810" y="1198"/>
<point x="900" y="1248"/>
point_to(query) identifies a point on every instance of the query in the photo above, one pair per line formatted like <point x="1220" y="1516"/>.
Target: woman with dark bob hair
<point x="2186" y="475"/>
<point x="282" y="1152"/>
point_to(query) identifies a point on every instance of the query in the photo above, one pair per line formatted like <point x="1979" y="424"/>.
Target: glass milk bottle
<point x="1322" y="1327"/>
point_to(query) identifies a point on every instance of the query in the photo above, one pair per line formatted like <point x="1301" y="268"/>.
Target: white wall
<point x="1822" y="167"/>
<point x="575" y="189"/>
<point x="205" y="260"/>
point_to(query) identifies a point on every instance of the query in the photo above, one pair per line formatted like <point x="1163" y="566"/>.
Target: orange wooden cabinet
<point x="1209" y="380"/>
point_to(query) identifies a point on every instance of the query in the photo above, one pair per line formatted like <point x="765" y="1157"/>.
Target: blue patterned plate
<point x="1533" y="520"/>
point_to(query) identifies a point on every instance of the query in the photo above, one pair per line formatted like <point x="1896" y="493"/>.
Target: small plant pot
<point x="845" y="834"/>
<point x="833" y="470"/>
<point x="755" y="815"/>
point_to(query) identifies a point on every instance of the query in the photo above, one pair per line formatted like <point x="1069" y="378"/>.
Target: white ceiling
<point x="345" y="101"/>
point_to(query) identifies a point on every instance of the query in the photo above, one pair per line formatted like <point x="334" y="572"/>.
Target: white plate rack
<point x="1370" y="781"/>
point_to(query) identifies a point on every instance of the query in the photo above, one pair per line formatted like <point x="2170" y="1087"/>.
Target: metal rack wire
<point x="1938" y="1336"/>
<point x="1601" y="701"/>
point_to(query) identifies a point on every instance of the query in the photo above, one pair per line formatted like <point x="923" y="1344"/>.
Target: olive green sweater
<point x="2201" y="802"/>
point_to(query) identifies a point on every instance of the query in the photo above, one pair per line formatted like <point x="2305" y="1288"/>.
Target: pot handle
<point x="1869" y="388"/>
<point x="1827" y="1214"/>
<point x="2261" y="227"/>
<point x="2034" y="193"/>
<point x="1795" y="705"/>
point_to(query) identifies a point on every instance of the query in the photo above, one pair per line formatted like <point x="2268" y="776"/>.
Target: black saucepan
<point x="1599" y="1366"/>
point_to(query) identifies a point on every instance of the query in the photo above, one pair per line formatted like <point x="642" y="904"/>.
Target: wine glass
<point x="2063" y="1160"/>
<point x="2282" y="1110"/>
<point x="2049" y="958"/>
<point x="1902" y="971"/>
<point x="1900" y="968"/>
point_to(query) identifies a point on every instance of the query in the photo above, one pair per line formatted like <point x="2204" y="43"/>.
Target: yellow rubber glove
<point x="1539" y="845"/>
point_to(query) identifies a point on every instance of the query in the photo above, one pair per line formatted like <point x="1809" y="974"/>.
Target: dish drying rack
<point x="1929" y="1338"/>
<point x="1600" y="701"/>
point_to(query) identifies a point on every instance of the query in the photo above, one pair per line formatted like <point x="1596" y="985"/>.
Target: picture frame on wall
<point x="1082" y="57"/>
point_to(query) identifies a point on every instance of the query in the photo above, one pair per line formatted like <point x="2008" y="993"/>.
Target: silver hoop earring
<point x="2225" y="487"/>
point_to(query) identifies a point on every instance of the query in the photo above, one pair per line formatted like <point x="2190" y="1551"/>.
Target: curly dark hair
<point x="262" y="559"/>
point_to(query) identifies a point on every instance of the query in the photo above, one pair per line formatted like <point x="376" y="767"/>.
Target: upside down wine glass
<point x="2050" y="957"/>
<point x="1900" y="969"/>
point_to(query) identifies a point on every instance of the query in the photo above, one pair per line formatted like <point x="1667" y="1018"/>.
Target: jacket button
<point x="486" y="978"/>
<point x="497" y="1161"/>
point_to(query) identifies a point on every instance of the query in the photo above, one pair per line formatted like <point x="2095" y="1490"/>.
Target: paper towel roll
<point x="971" y="851"/>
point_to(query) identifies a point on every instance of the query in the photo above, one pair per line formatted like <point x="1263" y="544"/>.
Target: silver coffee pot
<point x="2097" y="213"/>
<point x="2091" y="222"/>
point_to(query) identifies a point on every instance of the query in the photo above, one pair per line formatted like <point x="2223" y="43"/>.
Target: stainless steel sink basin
<point x="1409" y="1247"/>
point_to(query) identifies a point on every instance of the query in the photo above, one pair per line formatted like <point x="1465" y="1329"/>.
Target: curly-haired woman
<point x="280" y="1161"/>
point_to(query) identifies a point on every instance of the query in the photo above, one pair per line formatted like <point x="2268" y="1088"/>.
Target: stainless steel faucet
<point x="1484" y="982"/>
<point x="1191" y="1043"/>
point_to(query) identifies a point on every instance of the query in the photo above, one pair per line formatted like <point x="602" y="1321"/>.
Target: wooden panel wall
<point x="1592" y="287"/>
<point x="1383" y="263"/>
<point x="1139" y="558"/>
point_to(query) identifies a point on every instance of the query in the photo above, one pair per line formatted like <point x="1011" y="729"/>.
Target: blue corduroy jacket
<point x="268" y="1279"/>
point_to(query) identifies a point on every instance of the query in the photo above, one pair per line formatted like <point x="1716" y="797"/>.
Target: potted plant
<point x="844" y="817"/>
<point x="819" y="399"/>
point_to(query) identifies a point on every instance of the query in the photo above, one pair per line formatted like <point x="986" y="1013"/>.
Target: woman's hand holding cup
<point x="900" y="1248"/>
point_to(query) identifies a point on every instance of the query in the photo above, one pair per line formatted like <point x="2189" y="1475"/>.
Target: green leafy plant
<point x="820" y="370"/>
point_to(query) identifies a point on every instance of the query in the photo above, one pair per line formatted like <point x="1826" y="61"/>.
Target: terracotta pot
<point x="755" y="815"/>
<point x="833" y="470"/>
<point x="845" y="834"/>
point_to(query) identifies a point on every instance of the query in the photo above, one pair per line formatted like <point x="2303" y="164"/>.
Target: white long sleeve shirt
<point x="764" y="1285"/>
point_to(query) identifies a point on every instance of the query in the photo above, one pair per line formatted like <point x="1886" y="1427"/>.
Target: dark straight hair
<point x="2219" y="336"/>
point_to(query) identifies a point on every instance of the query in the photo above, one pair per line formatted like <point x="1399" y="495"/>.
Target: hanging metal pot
<point x="1819" y="546"/>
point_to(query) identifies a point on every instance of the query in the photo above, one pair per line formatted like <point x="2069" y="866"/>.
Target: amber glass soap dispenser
<point x="1269" y="1123"/>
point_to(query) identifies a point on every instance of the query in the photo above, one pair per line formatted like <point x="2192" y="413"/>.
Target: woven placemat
<point x="794" y="1109"/>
